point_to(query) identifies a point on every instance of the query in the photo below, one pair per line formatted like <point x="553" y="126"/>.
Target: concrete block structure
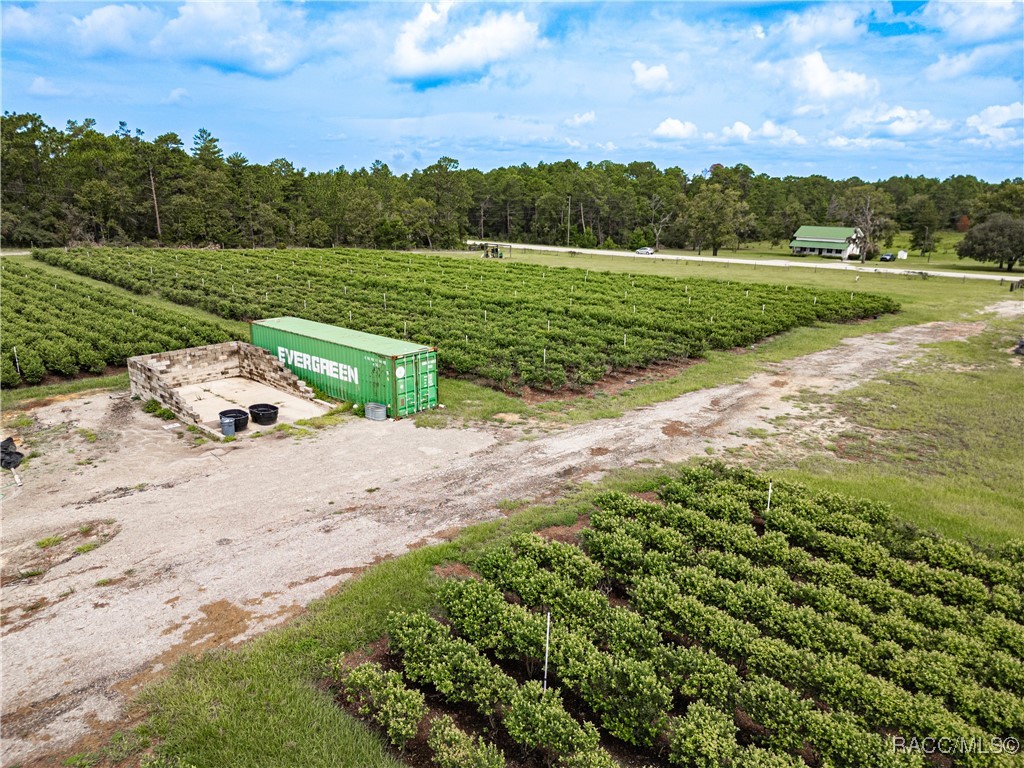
<point x="163" y="375"/>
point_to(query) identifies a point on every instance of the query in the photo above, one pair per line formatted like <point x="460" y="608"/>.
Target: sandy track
<point x="210" y="545"/>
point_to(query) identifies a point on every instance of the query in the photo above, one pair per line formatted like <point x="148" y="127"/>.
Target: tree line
<point x="77" y="185"/>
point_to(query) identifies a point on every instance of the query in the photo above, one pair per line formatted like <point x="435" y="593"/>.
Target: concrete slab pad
<point x="211" y="397"/>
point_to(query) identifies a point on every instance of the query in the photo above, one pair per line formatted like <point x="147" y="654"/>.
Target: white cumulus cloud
<point x="823" y="24"/>
<point x="671" y="128"/>
<point x="236" y="36"/>
<point x="117" y="28"/>
<point x="27" y="24"/>
<point x="896" y="121"/>
<point x="998" y="124"/>
<point x="581" y="119"/>
<point x="778" y="134"/>
<point x="608" y="146"/>
<point x="813" y="75"/>
<point x="951" y="67"/>
<point x="654" y="78"/>
<point x="861" y="142"/>
<point x="738" y="130"/>
<point x="770" y="131"/>
<point x="973" y="22"/>
<point x="426" y="48"/>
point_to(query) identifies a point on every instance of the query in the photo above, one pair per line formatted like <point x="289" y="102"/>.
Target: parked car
<point x="888" y="257"/>
<point x="645" y="251"/>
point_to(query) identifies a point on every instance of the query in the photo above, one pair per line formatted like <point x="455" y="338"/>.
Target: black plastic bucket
<point x="263" y="414"/>
<point x="241" y="417"/>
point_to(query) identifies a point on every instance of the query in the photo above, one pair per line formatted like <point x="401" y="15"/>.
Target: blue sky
<point x="870" y="89"/>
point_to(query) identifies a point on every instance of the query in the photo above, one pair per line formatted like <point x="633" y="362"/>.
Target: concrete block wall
<point x="157" y="376"/>
<point x="259" y="365"/>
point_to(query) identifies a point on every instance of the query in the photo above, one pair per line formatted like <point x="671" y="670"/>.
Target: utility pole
<point x="568" y="216"/>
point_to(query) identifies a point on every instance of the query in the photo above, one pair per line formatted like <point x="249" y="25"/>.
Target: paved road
<point x="767" y="262"/>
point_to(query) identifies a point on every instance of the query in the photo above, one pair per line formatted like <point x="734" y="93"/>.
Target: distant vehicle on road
<point x="888" y="257"/>
<point x="645" y="251"/>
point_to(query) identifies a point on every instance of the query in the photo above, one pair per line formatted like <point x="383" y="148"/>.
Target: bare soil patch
<point x="568" y="534"/>
<point x="214" y="546"/>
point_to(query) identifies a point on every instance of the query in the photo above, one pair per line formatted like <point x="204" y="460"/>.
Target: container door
<point x="379" y="390"/>
<point x="426" y="380"/>
<point x="405" y="385"/>
<point x="416" y="382"/>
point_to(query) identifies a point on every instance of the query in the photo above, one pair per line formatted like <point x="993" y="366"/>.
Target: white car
<point x="645" y="251"/>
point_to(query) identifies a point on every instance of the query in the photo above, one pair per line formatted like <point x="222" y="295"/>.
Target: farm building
<point x="824" y="241"/>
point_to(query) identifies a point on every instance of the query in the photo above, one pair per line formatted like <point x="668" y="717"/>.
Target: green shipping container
<point x="352" y="365"/>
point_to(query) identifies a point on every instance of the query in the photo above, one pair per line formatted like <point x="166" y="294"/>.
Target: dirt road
<point x="155" y="548"/>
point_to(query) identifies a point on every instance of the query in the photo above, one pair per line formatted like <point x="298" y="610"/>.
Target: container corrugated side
<point x="407" y="383"/>
<point x="341" y="372"/>
<point x="345" y="337"/>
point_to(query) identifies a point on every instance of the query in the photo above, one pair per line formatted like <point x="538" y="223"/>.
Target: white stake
<point x="769" y="507"/>
<point x="547" y="648"/>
